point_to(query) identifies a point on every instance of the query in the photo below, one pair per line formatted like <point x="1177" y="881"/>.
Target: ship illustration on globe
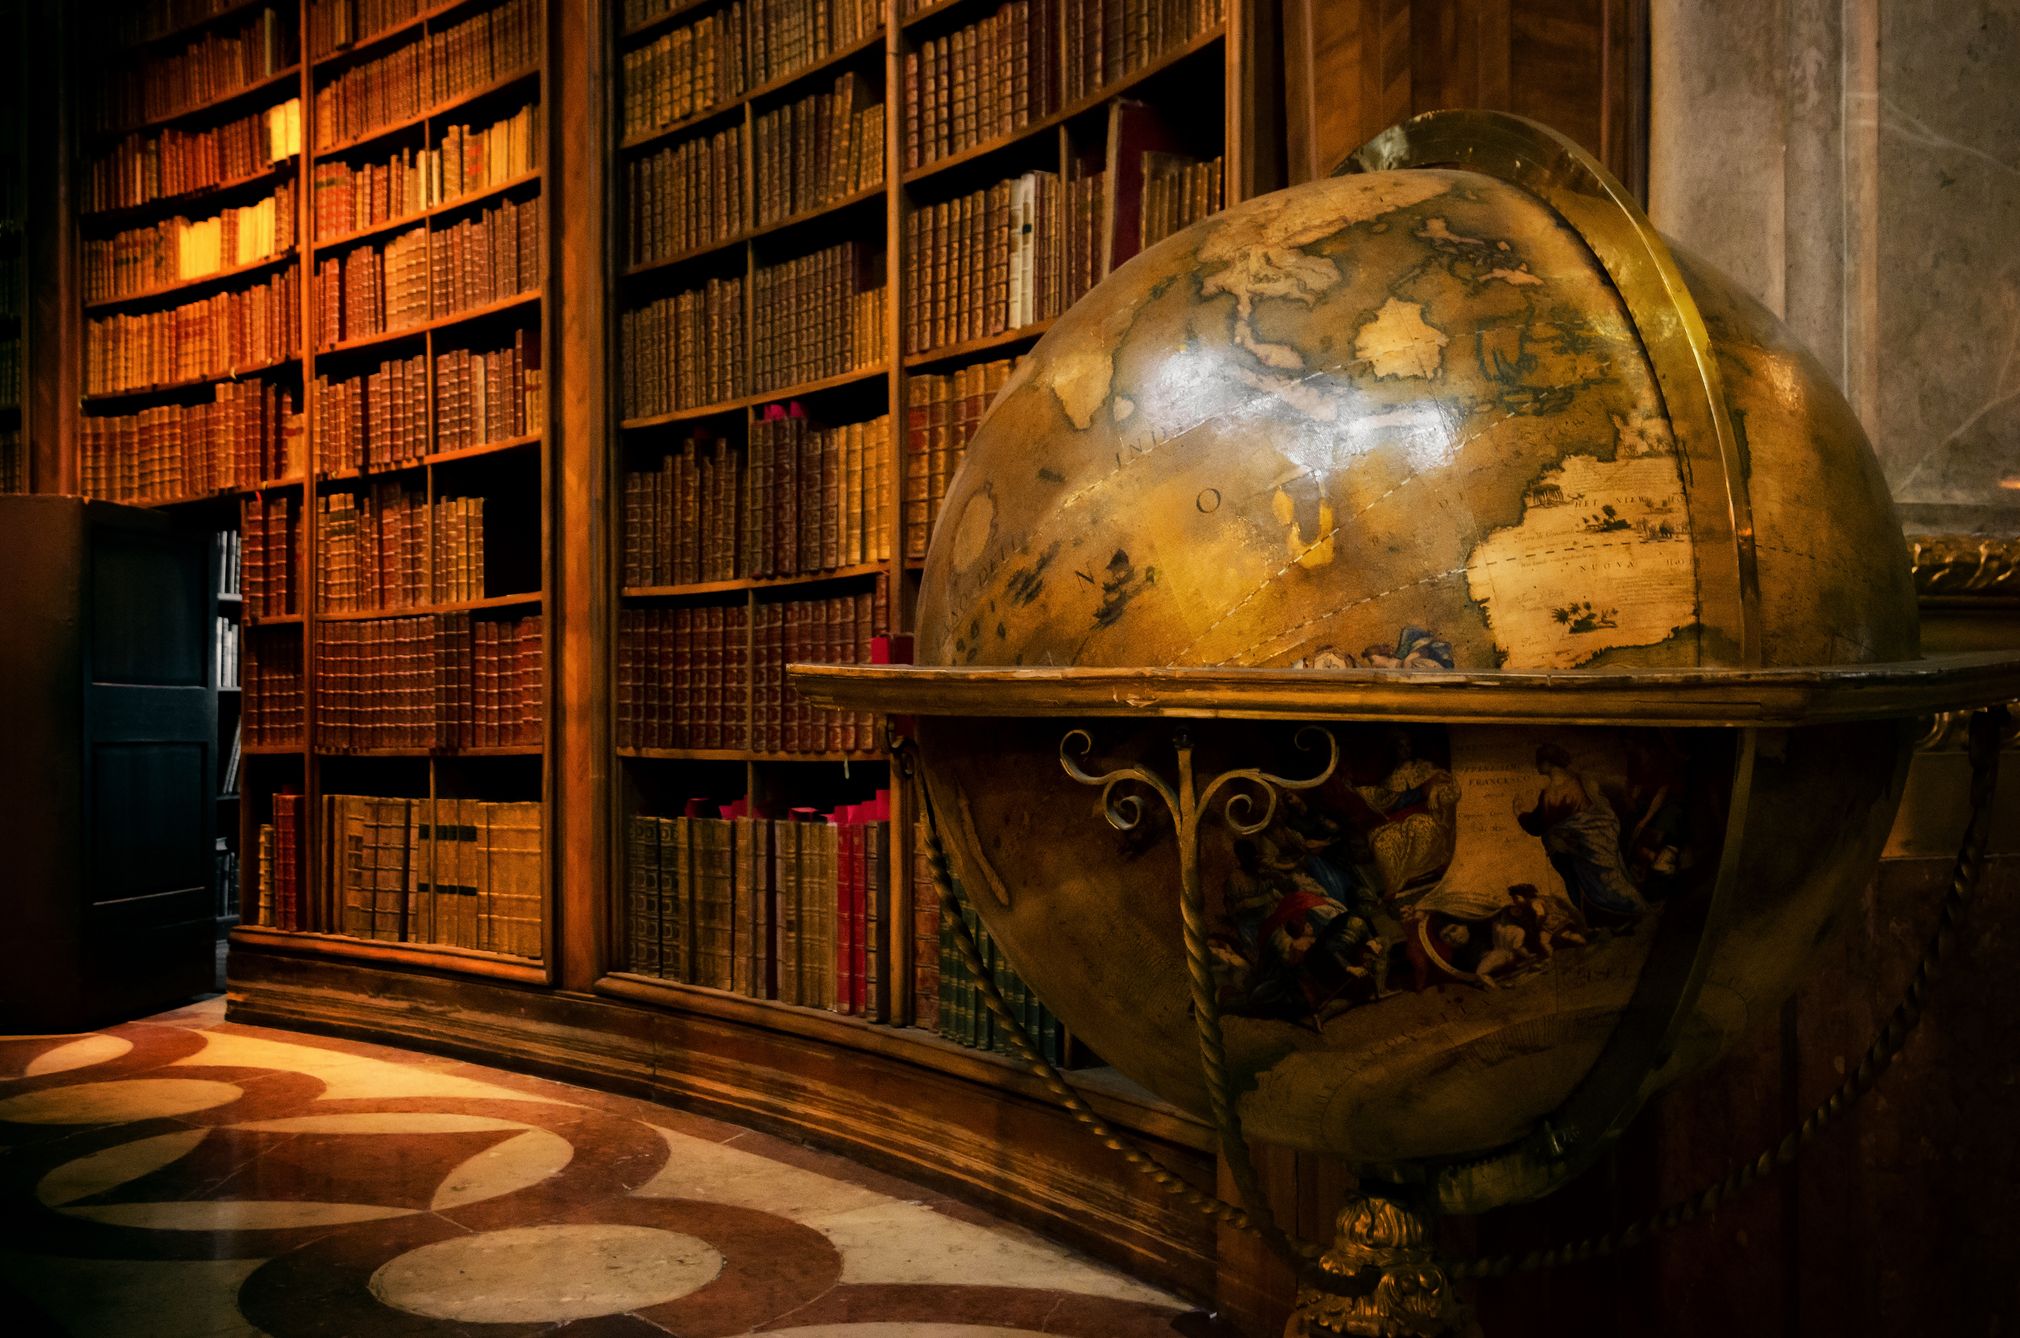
<point x="1410" y="666"/>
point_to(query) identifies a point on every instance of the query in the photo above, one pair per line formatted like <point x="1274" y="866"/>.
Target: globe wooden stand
<point x="1381" y="1275"/>
<point x="1465" y="452"/>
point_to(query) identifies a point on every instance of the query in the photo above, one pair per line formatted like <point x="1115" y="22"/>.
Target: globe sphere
<point x="1405" y="419"/>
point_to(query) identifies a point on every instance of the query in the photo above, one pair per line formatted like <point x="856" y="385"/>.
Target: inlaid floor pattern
<point x="187" y="1177"/>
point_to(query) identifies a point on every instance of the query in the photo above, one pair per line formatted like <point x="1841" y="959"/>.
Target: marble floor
<point x="188" y="1177"/>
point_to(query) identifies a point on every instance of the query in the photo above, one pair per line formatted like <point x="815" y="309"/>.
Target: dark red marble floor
<point x="185" y="1177"/>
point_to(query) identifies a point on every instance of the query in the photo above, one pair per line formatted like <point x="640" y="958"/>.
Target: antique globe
<point x="1455" y="418"/>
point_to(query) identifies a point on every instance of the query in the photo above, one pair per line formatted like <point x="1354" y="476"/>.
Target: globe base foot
<point x="1391" y="1284"/>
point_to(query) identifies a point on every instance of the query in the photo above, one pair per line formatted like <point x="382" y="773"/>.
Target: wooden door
<point x="149" y="752"/>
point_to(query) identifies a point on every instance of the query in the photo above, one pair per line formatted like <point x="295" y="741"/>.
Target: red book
<point x="859" y="904"/>
<point x="286" y="879"/>
<point x="848" y="983"/>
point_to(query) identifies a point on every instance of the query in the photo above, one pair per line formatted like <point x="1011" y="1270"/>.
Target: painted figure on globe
<point x="1580" y="830"/>
<point x="1435" y="858"/>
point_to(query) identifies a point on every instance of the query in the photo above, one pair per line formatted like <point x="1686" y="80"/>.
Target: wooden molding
<point x="1352" y="68"/>
<point x="1970" y="568"/>
<point x="578" y="92"/>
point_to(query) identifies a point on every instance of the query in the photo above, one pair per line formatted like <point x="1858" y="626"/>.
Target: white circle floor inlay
<point x="77" y="1054"/>
<point x="116" y="1102"/>
<point x="546" y="1273"/>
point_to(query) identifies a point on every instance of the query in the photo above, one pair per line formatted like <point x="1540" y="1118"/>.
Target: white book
<point x="1012" y="255"/>
<point x="1027" y="250"/>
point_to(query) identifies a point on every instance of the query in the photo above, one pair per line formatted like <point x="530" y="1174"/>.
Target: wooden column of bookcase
<point x="757" y="773"/>
<point x="16" y="463"/>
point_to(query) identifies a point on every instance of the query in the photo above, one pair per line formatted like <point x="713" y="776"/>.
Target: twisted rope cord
<point x="1300" y="1255"/>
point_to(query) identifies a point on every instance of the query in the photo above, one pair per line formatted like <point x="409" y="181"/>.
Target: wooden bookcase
<point x="512" y="474"/>
<point x="114" y="201"/>
<point x="1170" y="96"/>
<point x="226" y="673"/>
<point x="970" y="1118"/>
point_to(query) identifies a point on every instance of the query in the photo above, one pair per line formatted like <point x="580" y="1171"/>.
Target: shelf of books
<point x="420" y="834"/>
<point x="832" y="251"/>
<point x="190" y="238"/>
<point x="314" y="294"/>
<point x="757" y="497"/>
<point x="517" y="768"/>
<point x="227" y="663"/>
<point x="315" y="311"/>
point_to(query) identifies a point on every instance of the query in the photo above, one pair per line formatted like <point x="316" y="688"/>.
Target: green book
<point x="786" y="877"/>
<point x="674" y="908"/>
<point x="641" y="894"/>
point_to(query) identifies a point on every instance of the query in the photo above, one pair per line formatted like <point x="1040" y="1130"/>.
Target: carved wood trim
<point x="1964" y="570"/>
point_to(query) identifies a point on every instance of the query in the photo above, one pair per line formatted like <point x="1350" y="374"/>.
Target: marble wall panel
<point x="1856" y="163"/>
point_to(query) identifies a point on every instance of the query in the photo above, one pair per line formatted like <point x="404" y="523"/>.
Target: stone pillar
<point x="1856" y="164"/>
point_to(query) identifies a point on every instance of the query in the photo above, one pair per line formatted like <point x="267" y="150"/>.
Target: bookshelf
<point x="426" y="607"/>
<point x="227" y="662"/>
<point x="724" y="229"/>
<point x="893" y="163"/>
<point x="568" y="459"/>
<point x="357" y="424"/>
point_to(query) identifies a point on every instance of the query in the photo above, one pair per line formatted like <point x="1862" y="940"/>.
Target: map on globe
<point x="1401" y="400"/>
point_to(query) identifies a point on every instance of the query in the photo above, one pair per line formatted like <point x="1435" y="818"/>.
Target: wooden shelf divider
<point x="192" y="383"/>
<point x="1035" y="129"/>
<point x="528" y="494"/>
<point x="466" y="316"/>
<point x="461" y="202"/>
<point x="128" y="213"/>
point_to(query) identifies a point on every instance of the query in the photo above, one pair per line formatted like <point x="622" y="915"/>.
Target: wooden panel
<point x="149" y="611"/>
<point x="1355" y="67"/>
<point x="108" y="907"/>
<point x="1899" y="1220"/>
<point x="149" y="755"/>
<point x="41" y="579"/>
<point x="154" y="794"/>
<point x="54" y="354"/>
<point x="1889" y="1221"/>
<point x="1346" y="76"/>
<point x="1256" y="104"/>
